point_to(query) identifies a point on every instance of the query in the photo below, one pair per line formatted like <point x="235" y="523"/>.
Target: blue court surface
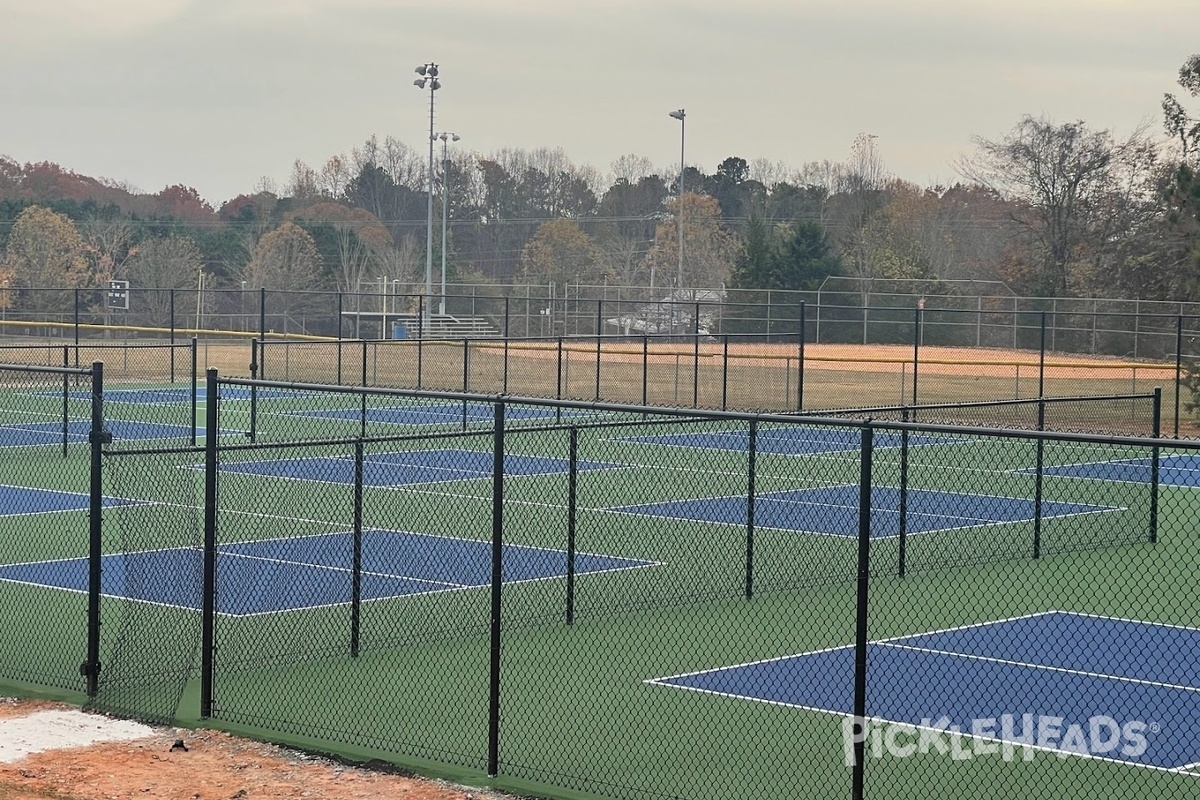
<point x="51" y="433"/>
<point x="789" y="441"/>
<point x="19" y="500"/>
<point x="437" y="413"/>
<point x="408" y="468"/>
<point x="833" y="510"/>
<point x="1075" y="667"/>
<point x="1173" y="470"/>
<point x="300" y="572"/>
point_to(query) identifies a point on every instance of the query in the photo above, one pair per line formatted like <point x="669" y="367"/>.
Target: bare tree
<point x="1072" y="188"/>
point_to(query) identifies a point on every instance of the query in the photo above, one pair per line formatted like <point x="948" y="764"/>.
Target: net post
<point x="1155" y="459"/>
<point x="572" y="494"/>
<point x="195" y="363"/>
<point x="751" y="464"/>
<point x="98" y="437"/>
<point x="493" y="756"/>
<point x="208" y="610"/>
<point x="356" y="555"/>
<point x="860" y="624"/>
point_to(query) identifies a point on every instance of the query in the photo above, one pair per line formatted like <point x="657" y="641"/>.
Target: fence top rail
<point x="706" y="414"/>
<point x="50" y="370"/>
<point x="977" y="404"/>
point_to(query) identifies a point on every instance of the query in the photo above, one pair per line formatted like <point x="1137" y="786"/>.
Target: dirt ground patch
<point x="215" y="766"/>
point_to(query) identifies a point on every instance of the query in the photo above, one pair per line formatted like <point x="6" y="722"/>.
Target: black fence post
<point x="362" y="415"/>
<point x="1155" y="457"/>
<point x="76" y="326"/>
<point x="696" y="359"/>
<point x="572" y="493"/>
<point x="98" y="437"/>
<point x="356" y="555"/>
<point x="466" y="346"/>
<point x="420" y="341"/>
<point x="493" y="756"/>
<point x="195" y="365"/>
<point x="254" y="369"/>
<point x="558" y="392"/>
<point x="262" y="312"/>
<point x="1038" y="479"/>
<point x="339" y="338"/>
<point x="917" y="346"/>
<point x="599" y="354"/>
<point x="860" y="625"/>
<point x="725" y="372"/>
<point x="645" y="368"/>
<point x="66" y="399"/>
<point x="172" y="323"/>
<point x="800" y="358"/>
<point x="751" y="463"/>
<point x="504" y="389"/>
<point x="1042" y="358"/>
<point x="1178" y="368"/>
<point x="902" y="559"/>
<point x="208" y="603"/>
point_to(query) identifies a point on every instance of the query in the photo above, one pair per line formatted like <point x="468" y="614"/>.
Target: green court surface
<point x="578" y="713"/>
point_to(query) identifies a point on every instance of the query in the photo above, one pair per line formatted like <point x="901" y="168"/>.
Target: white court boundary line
<point x="1185" y="769"/>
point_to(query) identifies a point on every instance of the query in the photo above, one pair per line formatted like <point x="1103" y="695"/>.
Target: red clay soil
<point x="215" y="766"/>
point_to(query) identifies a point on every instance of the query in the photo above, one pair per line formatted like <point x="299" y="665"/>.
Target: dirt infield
<point x="215" y="766"/>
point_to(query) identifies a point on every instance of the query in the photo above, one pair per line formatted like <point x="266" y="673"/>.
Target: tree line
<point x="1049" y="209"/>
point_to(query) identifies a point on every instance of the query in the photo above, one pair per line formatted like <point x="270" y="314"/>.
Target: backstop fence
<point x="616" y="600"/>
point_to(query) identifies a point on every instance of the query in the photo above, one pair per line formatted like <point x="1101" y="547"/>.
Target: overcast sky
<point x="217" y="94"/>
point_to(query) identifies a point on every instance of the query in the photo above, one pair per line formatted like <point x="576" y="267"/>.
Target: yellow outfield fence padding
<point x="302" y="337"/>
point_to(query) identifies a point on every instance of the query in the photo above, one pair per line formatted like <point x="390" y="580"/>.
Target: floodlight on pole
<point x="446" y="137"/>
<point x="679" y="114"/>
<point x="429" y="77"/>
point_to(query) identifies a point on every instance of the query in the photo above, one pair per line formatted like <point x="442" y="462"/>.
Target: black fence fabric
<point x="630" y="601"/>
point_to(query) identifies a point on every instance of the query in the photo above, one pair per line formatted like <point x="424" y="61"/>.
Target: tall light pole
<point x="445" y="136"/>
<point x="680" y="115"/>
<point x="429" y="75"/>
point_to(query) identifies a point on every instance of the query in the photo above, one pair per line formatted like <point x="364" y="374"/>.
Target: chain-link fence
<point x="632" y="601"/>
<point x="46" y="500"/>
<point x="844" y="346"/>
